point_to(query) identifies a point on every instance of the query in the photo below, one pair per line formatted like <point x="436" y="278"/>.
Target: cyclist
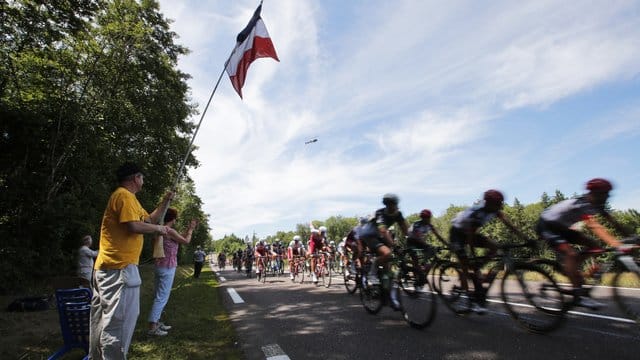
<point x="260" y="252"/>
<point x="353" y="245"/>
<point x="332" y="249"/>
<point x="296" y="248"/>
<point x="375" y="235"/>
<point x="555" y="227"/>
<point x="277" y="250"/>
<point x="417" y="240"/>
<point x="222" y="260"/>
<point x="316" y="245"/>
<point x="464" y="231"/>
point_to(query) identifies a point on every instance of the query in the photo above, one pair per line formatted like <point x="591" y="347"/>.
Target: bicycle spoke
<point x="626" y="298"/>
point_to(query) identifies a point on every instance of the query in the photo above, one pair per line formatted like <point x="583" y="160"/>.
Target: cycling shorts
<point x="555" y="234"/>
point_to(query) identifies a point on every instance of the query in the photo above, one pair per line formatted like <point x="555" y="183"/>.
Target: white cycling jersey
<point x="473" y="217"/>
<point x="571" y="211"/>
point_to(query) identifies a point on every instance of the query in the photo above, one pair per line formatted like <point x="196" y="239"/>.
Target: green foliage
<point x="85" y="85"/>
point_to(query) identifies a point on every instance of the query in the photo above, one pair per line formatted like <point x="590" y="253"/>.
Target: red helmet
<point x="425" y="214"/>
<point x="599" y="185"/>
<point x="493" y="196"/>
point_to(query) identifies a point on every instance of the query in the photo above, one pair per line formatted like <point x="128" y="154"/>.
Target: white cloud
<point x="409" y="97"/>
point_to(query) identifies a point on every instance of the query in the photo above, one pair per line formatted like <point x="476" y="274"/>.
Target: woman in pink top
<point x="165" y="271"/>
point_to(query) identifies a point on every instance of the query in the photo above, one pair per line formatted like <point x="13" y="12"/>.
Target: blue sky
<point x="434" y="101"/>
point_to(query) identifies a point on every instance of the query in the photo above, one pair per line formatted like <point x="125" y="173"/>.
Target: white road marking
<point x="274" y="352"/>
<point x="234" y="296"/>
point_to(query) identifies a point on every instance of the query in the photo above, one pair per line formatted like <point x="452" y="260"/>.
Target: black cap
<point x="127" y="169"/>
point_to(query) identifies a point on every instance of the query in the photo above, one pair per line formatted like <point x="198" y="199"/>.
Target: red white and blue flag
<point x="252" y="43"/>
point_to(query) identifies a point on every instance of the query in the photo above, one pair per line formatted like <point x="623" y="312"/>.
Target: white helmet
<point x="315" y="231"/>
<point x="332" y="242"/>
<point x="323" y="229"/>
<point x="296" y="238"/>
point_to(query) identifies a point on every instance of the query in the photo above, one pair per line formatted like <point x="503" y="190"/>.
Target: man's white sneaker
<point x="157" y="332"/>
<point x="314" y="278"/>
<point x="291" y="276"/>
<point x="163" y="326"/>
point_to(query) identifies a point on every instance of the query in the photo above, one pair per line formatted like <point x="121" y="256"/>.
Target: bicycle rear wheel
<point x="351" y="282"/>
<point x="418" y="304"/>
<point x="326" y="275"/>
<point x="451" y="291"/>
<point x="625" y="297"/>
<point x="371" y="298"/>
<point x="301" y="272"/>
<point x="533" y="298"/>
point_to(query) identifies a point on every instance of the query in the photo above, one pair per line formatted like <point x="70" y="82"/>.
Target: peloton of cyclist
<point x="555" y="227"/>
<point x="416" y="239"/>
<point x="376" y="236"/>
<point x="295" y="248"/>
<point x="464" y="231"/>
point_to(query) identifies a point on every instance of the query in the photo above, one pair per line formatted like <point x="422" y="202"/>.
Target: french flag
<point x="252" y="43"/>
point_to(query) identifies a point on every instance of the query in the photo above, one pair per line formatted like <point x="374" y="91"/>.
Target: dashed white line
<point x="234" y="296"/>
<point x="274" y="352"/>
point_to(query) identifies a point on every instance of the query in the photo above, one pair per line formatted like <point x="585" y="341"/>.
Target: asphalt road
<point x="282" y="320"/>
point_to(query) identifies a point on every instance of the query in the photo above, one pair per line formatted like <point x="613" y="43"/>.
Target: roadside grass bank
<point x="201" y="328"/>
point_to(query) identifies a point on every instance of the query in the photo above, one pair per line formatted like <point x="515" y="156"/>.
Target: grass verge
<point x="201" y="326"/>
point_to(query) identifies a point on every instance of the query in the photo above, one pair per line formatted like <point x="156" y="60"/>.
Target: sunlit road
<point x="280" y="320"/>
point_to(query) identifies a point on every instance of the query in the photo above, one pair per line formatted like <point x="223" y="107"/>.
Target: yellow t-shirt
<point x="118" y="246"/>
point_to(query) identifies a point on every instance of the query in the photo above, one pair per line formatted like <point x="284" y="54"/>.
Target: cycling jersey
<point x="555" y="222"/>
<point x="571" y="211"/>
<point x="261" y="250"/>
<point x="382" y="218"/>
<point x="315" y="243"/>
<point x="419" y="230"/>
<point x="473" y="217"/>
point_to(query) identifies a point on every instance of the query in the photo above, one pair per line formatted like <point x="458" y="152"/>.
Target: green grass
<point x="201" y="328"/>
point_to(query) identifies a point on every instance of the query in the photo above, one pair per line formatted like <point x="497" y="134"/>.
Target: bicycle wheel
<point x="263" y="274"/>
<point x="628" y="301"/>
<point x="371" y="298"/>
<point x="326" y="275"/>
<point x="533" y="298"/>
<point x="408" y="275"/>
<point x="418" y="304"/>
<point x="301" y="272"/>
<point x="451" y="291"/>
<point x="351" y="282"/>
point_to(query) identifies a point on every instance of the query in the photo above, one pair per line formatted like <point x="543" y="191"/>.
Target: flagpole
<point x="158" y="249"/>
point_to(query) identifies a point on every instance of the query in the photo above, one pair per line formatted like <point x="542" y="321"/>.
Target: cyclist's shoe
<point x="291" y="276"/>
<point x="589" y="303"/>
<point x="314" y="278"/>
<point x="478" y="308"/>
<point x="373" y="279"/>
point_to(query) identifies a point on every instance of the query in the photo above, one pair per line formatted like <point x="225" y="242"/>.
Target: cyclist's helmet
<point x="388" y="199"/>
<point x="315" y="231"/>
<point x="296" y="238"/>
<point x="332" y="242"/>
<point x="425" y="214"/>
<point x="363" y="220"/>
<point x="323" y="229"/>
<point x="493" y="196"/>
<point x="599" y="185"/>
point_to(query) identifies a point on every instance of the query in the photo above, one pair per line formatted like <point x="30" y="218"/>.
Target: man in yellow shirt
<point x="116" y="282"/>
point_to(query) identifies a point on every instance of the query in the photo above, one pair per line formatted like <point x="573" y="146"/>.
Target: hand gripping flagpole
<point x="158" y="248"/>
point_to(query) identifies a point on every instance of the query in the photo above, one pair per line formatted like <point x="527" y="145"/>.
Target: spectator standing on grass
<point x="198" y="261"/>
<point x="165" y="271"/>
<point x="115" y="305"/>
<point x="85" y="258"/>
